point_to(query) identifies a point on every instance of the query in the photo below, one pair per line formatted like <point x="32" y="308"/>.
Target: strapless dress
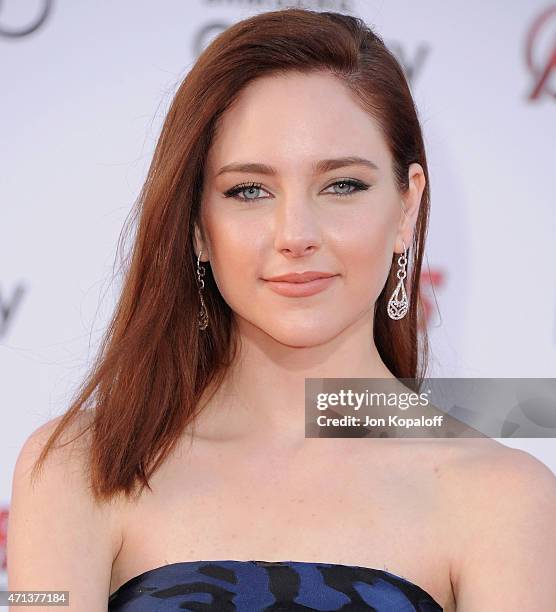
<point x="256" y="586"/>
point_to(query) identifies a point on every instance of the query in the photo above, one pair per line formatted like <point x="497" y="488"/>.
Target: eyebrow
<point x="321" y="166"/>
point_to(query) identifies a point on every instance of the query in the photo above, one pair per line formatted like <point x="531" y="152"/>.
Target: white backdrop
<point x="85" y="86"/>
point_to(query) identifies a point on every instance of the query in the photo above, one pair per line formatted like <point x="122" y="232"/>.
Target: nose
<point x="297" y="229"/>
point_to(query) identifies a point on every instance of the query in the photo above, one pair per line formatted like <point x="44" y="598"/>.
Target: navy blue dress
<point x="256" y="586"/>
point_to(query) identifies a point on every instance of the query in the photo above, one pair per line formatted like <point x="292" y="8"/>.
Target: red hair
<point x="154" y="365"/>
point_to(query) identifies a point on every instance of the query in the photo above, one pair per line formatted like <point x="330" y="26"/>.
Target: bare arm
<point x="509" y="557"/>
<point x="58" y="538"/>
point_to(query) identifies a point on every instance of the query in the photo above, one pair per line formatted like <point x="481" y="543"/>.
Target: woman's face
<point x="344" y="219"/>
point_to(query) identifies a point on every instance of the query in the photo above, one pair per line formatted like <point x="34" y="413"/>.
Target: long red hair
<point x="154" y="365"/>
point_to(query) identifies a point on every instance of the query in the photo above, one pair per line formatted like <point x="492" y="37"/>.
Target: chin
<point x="302" y="336"/>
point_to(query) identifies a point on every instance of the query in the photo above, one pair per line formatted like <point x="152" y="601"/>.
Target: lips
<point x="300" y="277"/>
<point x="301" y="288"/>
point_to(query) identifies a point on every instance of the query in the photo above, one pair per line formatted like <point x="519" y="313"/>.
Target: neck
<point x="262" y="399"/>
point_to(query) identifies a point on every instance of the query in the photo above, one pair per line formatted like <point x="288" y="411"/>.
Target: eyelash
<point x="234" y="191"/>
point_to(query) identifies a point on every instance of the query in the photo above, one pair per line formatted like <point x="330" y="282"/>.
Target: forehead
<point x="287" y="119"/>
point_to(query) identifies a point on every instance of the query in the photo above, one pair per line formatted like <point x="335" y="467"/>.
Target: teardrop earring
<point x="398" y="304"/>
<point x="202" y="319"/>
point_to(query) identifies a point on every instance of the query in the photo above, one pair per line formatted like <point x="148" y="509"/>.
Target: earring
<point x="202" y="320"/>
<point x="398" y="304"/>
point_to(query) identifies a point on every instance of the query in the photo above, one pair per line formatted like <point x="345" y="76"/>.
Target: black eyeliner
<point x="360" y="186"/>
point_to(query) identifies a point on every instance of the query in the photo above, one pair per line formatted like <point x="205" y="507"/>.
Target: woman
<point x="292" y="146"/>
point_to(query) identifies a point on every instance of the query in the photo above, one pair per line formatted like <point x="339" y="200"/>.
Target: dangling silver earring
<point x="398" y="304"/>
<point x="203" y="314"/>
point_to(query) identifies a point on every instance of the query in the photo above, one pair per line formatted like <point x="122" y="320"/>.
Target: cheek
<point x="365" y="249"/>
<point x="368" y="236"/>
<point x="233" y="258"/>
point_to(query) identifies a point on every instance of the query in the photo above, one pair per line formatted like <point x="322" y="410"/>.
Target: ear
<point x="410" y="204"/>
<point x="199" y="243"/>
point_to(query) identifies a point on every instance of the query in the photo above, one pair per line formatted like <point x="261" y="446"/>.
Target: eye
<point x="250" y="190"/>
<point x="357" y="186"/>
<point x="245" y="188"/>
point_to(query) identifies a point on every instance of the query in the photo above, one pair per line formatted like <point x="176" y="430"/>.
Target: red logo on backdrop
<point x="540" y="53"/>
<point x="428" y="282"/>
<point x="3" y="538"/>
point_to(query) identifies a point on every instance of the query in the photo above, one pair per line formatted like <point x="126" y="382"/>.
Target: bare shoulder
<point x="59" y="537"/>
<point x="486" y="474"/>
<point x="502" y="508"/>
<point x="66" y="465"/>
<point x="477" y="465"/>
<point x="60" y="456"/>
